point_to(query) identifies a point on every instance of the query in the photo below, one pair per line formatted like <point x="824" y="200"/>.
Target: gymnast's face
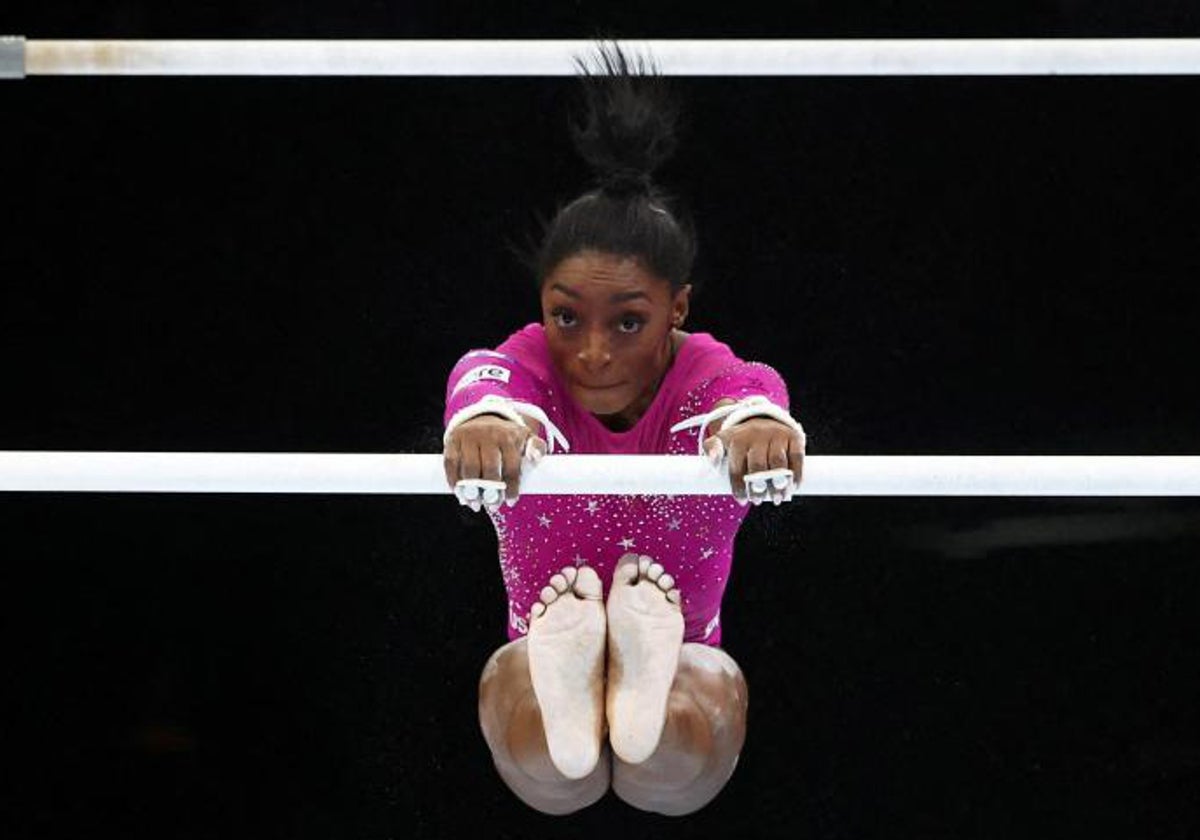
<point x="609" y="325"/>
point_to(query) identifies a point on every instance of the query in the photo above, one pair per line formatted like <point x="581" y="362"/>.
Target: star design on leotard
<point x="625" y="543"/>
<point x="544" y="519"/>
<point x="674" y="524"/>
<point x="579" y="561"/>
<point x="706" y="553"/>
<point x="592" y="506"/>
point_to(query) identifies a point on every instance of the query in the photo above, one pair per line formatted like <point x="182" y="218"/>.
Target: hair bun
<point x="623" y="182"/>
<point x="628" y="129"/>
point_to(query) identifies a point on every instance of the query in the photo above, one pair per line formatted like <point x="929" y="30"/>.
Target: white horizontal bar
<point x="766" y="57"/>
<point x="828" y="475"/>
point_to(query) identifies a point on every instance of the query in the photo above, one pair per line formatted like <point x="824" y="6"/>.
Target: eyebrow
<point x="619" y="297"/>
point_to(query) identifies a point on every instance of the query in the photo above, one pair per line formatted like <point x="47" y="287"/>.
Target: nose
<point x="594" y="353"/>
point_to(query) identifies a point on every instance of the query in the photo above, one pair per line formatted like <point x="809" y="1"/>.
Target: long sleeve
<point x="482" y="373"/>
<point x="740" y="380"/>
<point x="512" y="377"/>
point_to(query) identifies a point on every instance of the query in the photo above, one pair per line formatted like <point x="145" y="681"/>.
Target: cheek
<point x="560" y="352"/>
<point x="643" y="358"/>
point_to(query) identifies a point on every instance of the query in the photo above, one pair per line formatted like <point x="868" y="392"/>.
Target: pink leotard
<point x="691" y="536"/>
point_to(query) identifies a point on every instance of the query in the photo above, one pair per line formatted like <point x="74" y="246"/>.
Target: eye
<point x="563" y="317"/>
<point x="631" y="324"/>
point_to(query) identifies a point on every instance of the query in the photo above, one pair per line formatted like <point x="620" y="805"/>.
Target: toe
<point x="537" y="609"/>
<point x="569" y="573"/>
<point x="673" y="596"/>
<point x="626" y="570"/>
<point x="665" y="582"/>
<point x="588" y="585"/>
<point x="655" y="571"/>
<point x="644" y="564"/>
<point x="559" y="583"/>
<point x="549" y="595"/>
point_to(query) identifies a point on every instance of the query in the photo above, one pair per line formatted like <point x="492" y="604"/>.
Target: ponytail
<point x="627" y="131"/>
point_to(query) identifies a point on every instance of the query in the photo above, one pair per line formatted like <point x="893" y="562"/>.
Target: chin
<point x="601" y="403"/>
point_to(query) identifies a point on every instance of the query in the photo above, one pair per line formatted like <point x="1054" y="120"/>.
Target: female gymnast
<point x="613" y="676"/>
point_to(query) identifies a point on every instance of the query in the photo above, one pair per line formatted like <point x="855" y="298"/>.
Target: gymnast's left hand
<point x="757" y="445"/>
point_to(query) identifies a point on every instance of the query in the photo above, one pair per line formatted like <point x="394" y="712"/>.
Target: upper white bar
<point x="828" y="475"/>
<point x="898" y="57"/>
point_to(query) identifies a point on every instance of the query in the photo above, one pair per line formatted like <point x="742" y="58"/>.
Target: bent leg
<point x="512" y="726"/>
<point x="701" y="740"/>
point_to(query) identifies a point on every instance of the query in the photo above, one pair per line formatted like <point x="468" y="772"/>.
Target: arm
<point x="757" y="444"/>
<point x="495" y="421"/>
<point x="749" y="426"/>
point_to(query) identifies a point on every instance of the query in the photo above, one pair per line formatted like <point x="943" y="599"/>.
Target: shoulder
<point x="532" y="333"/>
<point x="704" y="357"/>
<point x="525" y="351"/>
<point x="717" y="372"/>
<point x="528" y="347"/>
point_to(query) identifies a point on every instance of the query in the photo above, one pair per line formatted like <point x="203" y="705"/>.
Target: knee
<point x="711" y="678"/>
<point x="687" y="734"/>
<point x="503" y="684"/>
<point x="506" y="670"/>
<point x="510" y="717"/>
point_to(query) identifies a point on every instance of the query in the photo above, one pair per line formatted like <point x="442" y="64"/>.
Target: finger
<point x="491" y="466"/>
<point x="737" y="469"/>
<point x="791" y="453"/>
<point x="470" y="468"/>
<point x="469" y="464"/>
<point x="714" y="449"/>
<point x="777" y="453"/>
<point x="451" y="461"/>
<point x="535" y="450"/>
<point x="780" y="484"/>
<point x="480" y="491"/>
<point x="491" y="463"/>
<point x="511" y="475"/>
<point x="758" y="489"/>
<point x="758" y="458"/>
<point x="491" y="498"/>
<point x="796" y="458"/>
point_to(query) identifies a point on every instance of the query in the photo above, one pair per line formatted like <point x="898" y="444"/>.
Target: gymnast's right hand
<point x="483" y="459"/>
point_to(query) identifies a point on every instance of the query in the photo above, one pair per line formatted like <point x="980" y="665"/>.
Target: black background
<point x="942" y="266"/>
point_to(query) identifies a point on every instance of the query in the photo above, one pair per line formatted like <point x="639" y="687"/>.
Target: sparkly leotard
<point x="691" y="536"/>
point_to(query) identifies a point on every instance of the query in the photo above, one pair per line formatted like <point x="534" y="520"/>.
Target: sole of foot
<point x="645" y="634"/>
<point x="566" y="641"/>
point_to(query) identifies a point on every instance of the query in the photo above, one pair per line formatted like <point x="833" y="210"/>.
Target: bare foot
<point x="566" y="666"/>
<point x="645" y="633"/>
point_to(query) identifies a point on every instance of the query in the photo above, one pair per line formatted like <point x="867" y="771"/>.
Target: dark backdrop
<point x="935" y="265"/>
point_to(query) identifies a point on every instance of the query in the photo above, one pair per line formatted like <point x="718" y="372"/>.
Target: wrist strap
<point x="509" y="410"/>
<point x="738" y="412"/>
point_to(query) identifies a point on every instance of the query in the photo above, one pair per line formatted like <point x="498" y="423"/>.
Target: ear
<point x="679" y="305"/>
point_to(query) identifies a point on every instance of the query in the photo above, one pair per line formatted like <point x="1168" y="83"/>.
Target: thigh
<point x="512" y="726"/>
<point x="702" y="738"/>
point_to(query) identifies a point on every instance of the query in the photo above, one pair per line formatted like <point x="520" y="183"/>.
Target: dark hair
<point x="627" y="131"/>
